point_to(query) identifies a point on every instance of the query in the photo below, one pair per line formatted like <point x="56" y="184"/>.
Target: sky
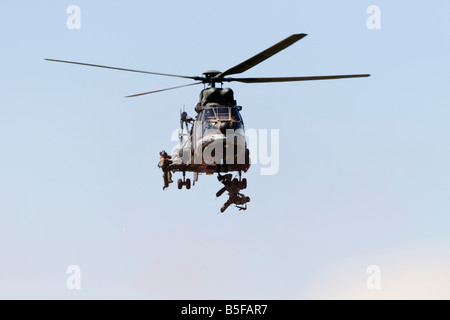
<point x="363" y="177"/>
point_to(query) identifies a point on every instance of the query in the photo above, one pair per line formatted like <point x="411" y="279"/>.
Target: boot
<point x="220" y="192"/>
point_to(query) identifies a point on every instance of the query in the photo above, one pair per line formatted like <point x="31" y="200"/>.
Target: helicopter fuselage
<point x="218" y="136"/>
<point x="216" y="139"/>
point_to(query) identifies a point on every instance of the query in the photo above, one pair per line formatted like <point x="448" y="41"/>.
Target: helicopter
<point x="214" y="141"/>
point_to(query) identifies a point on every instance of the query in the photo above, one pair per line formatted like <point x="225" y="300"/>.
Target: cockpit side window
<point x="235" y="115"/>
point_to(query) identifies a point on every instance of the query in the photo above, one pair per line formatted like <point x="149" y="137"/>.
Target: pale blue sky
<point x="364" y="174"/>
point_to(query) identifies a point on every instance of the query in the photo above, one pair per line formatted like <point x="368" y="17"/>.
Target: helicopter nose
<point x="223" y="126"/>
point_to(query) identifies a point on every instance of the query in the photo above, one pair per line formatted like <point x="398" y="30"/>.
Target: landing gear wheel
<point x="188" y="184"/>
<point x="180" y="184"/>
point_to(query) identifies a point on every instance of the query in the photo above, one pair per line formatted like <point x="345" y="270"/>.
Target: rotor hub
<point x="211" y="77"/>
<point x="211" y="73"/>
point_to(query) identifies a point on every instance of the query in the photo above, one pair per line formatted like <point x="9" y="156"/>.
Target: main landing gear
<point x="184" y="182"/>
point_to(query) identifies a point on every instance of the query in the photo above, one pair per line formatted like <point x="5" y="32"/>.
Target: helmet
<point x="163" y="153"/>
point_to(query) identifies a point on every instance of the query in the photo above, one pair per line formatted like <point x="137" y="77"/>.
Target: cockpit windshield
<point x="221" y="113"/>
<point x="213" y="116"/>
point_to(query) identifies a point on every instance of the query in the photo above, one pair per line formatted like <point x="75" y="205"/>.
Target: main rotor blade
<point x="260" y="57"/>
<point x="289" y="79"/>
<point x="141" y="94"/>
<point x="122" y="69"/>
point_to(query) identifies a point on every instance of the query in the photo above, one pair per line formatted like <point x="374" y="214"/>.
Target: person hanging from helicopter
<point x="226" y="181"/>
<point x="234" y="196"/>
<point x="164" y="162"/>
